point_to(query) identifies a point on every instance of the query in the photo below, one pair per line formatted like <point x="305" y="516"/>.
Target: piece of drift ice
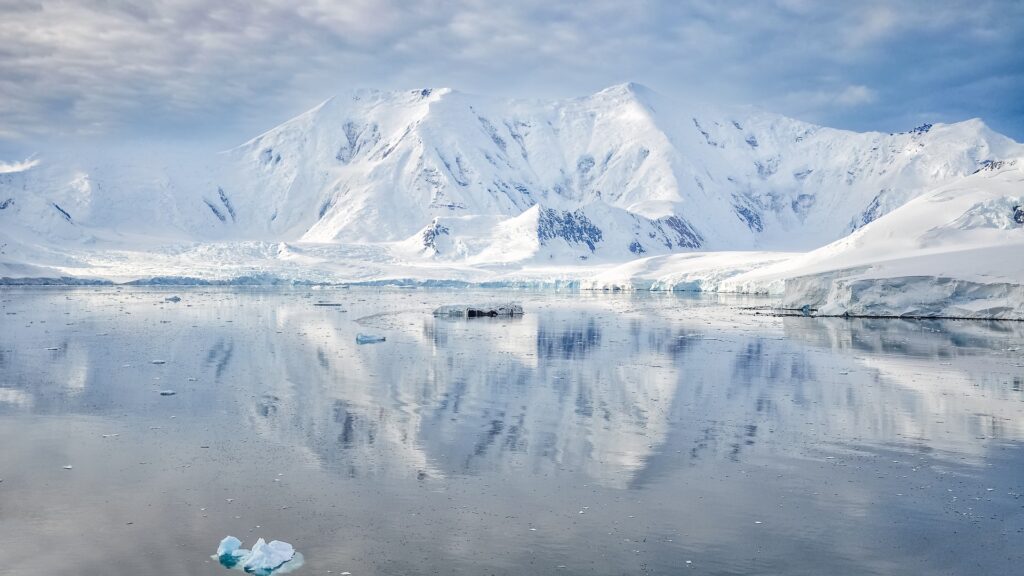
<point x="479" y="311"/>
<point x="230" y="553"/>
<point x="230" y="546"/>
<point x="263" y="560"/>
<point x="369" y="339"/>
<point x="265" y="557"/>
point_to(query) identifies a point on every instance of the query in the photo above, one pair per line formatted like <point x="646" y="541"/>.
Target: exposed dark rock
<point x="768" y="167"/>
<point x="706" y="135"/>
<point x="686" y="235"/>
<point x="751" y="218"/>
<point x="803" y="203"/>
<point x="994" y="165"/>
<point x="573" y="227"/>
<point x="63" y="212"/>
<point x="431" y="234"/>
<point x="215" y="211"/>
<point x="325" y="207"/>
<point x="358" y="137"/>
<point x="226" y="202"/>
<point x="493" y="133"/>
<point x="479" y="311"/>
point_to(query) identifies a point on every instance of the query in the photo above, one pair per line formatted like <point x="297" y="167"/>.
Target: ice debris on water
<point x="229" y="546"/>
<point x="264" y="558"/>
<point x="479" y="311"/>
<point x="369" y="338"/>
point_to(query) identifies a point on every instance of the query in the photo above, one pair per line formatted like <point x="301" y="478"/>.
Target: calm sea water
<point x="598" y="434"/>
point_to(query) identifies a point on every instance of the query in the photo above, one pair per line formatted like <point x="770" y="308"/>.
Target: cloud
<point x="9" y="167"/>
<point x="220" y="72"/>
<point x="855" y="96"/>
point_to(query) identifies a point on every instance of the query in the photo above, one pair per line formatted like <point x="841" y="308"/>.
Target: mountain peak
<point x="627" y="89"/>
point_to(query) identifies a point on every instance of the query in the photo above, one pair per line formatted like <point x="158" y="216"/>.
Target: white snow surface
<point x="623" y="189"/>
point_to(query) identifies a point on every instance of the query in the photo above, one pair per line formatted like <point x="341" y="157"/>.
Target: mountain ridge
<point x="459" y="167"/>
<point x="438" y="174"/>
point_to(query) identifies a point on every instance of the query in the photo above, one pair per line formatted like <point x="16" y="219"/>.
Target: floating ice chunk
<point x="265" y="557"/>
<point x="478" y="311"/>
<point x="230" y="552"/>
<point x="369" y="339"/>
<point x="230" y="546"/>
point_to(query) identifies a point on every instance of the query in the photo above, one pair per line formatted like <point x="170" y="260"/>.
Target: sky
<point x="213" y="74"/>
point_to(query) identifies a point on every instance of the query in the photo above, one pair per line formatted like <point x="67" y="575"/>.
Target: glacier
<point x="625" y="189"/>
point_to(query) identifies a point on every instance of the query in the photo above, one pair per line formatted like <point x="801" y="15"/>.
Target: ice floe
<point x="476" y="311"/>
<point x="369" y="338"/>
<point x="265" y="558"/>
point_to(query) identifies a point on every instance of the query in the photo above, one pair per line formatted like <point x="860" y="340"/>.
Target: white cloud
<point x="229" y="69"/>
<point x="855" y="96"/>
<point x="873" y="25"/>
<point x="9" y="167"/>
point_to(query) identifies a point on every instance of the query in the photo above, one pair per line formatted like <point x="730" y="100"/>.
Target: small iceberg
<point x="230" y="548"/>
<point x="480" y="311"/>
<point x="369" y="339"/>
<point x="265" y="558"/>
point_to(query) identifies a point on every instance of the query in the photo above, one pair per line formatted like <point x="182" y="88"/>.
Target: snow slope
<point x="957" y="251"/>
<point x="624" y="188"/>
<point x="622" y="173"/>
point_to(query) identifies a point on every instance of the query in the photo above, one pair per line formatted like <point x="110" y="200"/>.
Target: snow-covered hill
<point x="449" y="186"/>
<point x="956" y="251"/>
<point x="624" y="172"/>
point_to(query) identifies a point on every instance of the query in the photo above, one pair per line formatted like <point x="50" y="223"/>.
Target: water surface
<point x="598" y="434"/>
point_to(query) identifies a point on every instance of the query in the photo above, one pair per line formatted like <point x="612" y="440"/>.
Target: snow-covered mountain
<point x="624" y="188"/>
<point x="956" y="251"/>
<point x="623" y="173"/>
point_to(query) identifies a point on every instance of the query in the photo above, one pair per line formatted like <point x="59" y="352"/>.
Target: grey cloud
<point x="217" y="73"/>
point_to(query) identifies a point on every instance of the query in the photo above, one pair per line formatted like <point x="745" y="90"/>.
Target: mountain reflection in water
<point x="691" y="411"/>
